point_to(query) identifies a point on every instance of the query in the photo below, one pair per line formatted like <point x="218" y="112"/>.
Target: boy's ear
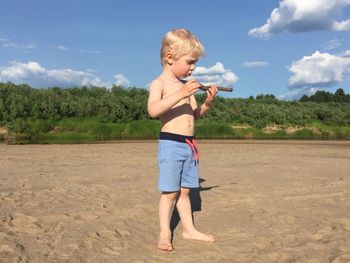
<point x="169" y="58"/>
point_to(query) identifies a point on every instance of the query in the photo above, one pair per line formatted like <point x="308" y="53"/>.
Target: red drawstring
<point x="194" y="148"/>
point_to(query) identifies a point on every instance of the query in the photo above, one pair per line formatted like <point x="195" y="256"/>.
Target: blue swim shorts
<point x="177" y="162"/>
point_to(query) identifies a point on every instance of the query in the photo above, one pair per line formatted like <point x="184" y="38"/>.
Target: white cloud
<point x="34" y="74"/>
<point x="332" y="44"/>
<point x="90" y="51"/>
<point x="297" y="93"/>
<point x="19" y="70"/>
<point x="302" y="16"/>
<point x="317" y="71"/>
<point x="121" y="80"/>
<point x="345" y="54"/>
<point x="62" y="47"/>
<point x="216" y="75"/>
<point x="15" y="45"/>
<point x="10" y="45"/>
<point x="255" y="64"/>
<point x="341" y="26"/>
<point x="6" y="42"/>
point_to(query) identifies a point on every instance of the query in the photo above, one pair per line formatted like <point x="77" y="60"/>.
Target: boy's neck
<point x="168" y="74"/>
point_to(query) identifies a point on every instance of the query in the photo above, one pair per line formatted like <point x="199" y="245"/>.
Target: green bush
<point x="120" y="113"/>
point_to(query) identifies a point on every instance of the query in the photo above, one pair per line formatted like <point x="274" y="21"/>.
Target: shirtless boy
<point x="172" y="100"/>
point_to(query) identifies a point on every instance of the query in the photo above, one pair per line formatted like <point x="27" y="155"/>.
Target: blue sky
<point x="286" y="48"/>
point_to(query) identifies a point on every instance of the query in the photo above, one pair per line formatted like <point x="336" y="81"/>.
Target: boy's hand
<point x="211" y="93"/>
<point x="191" y="87"/>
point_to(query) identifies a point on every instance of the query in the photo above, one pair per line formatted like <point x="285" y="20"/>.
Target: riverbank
<point x="77" y="130"/>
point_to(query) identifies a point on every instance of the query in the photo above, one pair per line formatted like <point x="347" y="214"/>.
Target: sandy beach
<point x="265" y="201"/>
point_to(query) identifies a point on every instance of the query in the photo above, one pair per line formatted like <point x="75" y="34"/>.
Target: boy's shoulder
<point x="158" y="81"/>
<point x="157" y="87"/>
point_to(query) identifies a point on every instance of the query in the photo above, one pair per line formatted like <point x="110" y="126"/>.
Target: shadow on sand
<point x="196" y="205"/>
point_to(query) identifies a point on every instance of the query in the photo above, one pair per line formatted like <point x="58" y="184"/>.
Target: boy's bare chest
<point x="170" y="91"/>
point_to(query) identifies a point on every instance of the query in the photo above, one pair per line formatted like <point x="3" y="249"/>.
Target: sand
<point x="265" y="201"/>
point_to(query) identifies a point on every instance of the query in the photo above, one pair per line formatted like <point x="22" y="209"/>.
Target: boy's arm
<point x="208" y="104"/>
<point x="158" y="105"/>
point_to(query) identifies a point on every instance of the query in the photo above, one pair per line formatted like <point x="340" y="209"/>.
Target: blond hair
<point x="180" y="42"/>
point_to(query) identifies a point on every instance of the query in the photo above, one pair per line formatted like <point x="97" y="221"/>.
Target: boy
<point x="172" y="100"/>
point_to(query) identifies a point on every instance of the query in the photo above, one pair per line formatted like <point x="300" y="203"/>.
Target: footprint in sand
<point x="7" y="254"/>
<point x="85" y="216"/>
<point x="341" y="259"/>
<point x="11" y="251"/>
<point x="109" y="241"/>
<point x="326" y="233"/>
<point x="22" y="223"/>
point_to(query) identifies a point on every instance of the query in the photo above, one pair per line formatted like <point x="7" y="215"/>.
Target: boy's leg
<point x="166" y="206"/>
<point x="183" y="206"/>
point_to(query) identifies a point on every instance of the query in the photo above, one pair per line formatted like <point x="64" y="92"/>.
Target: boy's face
<point x="184" y="66"/>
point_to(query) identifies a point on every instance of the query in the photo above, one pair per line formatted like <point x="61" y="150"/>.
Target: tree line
<point x="19" y="103"/>
<point x="324" y="96"/>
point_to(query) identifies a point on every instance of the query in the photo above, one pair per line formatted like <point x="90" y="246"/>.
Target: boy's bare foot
<point x="196" y="235"/>
<point x="164" y="243"/>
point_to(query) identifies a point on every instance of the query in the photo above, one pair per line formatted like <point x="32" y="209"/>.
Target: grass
<point x="332" y="132"/>
<point x="85" y="130"/>
<point x="216" y="131"/>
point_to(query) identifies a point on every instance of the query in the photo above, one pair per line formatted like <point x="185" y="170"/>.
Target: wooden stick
<point x="205" y="88"/>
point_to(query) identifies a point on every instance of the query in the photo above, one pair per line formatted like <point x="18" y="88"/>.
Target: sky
<point x="286" y="48"/>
